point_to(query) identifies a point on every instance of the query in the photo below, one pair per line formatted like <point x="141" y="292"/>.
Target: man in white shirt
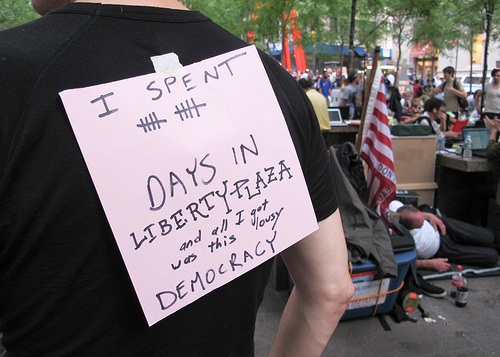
<point x="441" y="240"/>
<point x="435" y="116"/>
<point x="491" y="97"/>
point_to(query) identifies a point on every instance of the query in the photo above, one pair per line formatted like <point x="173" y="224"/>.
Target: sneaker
<point x="430" y="290"/>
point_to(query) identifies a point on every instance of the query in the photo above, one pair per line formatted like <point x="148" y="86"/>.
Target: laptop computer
<point x="480" y="138"/>
<point x="344" y="112"/>
<point x="335" y="117"/>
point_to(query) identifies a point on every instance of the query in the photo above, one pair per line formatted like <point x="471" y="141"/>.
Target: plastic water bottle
<point x="468" y="148"/>
<point x="440" y="142"/>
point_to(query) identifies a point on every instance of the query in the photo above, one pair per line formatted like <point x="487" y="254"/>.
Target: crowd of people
<point x="409" y="106"/>
<point x="437" y="102"/>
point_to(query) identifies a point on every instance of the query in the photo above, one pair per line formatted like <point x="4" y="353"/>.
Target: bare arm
<point x="319" y="268"/>
<point x="451" y="134"/>
<point x="492" y="126"/>
<point x="458" y="92"/>
<point x="435" y="221"/>
<point x="477" y="98"/>
<point x="438" y="264"/>
<point x="411" y="120"/>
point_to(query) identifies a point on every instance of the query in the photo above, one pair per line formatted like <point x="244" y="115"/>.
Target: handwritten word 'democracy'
<point x="193" y="214"/>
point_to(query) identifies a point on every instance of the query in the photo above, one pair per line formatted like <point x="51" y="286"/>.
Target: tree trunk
<point x="341" y="60"/>
<point x="489" y="7"/>
<point x="400" y="42"/>
<point x="351" y="36"/>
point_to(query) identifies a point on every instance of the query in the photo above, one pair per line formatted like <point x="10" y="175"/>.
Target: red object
<point x="376" y="151"/>
<point x="298" y="51"/>
<point x="459" y="124"/>
<point x="287" y="62"/>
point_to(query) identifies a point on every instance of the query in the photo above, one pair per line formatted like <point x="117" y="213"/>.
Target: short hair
<point x="494" y="71"/>
<point x="450" y="70"/>
<point x="305" y="83"/>
<point x="352" y="77"/>
<point x="405" y="213"/>
<point x="432" y="103"/>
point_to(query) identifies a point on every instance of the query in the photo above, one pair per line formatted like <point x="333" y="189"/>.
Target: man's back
<point x="65" y="290"/>
<point x="320" y="108"/>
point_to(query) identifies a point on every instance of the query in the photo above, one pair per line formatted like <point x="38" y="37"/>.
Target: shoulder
<point x="493" y="150"/>
<point x="423" y="120"/>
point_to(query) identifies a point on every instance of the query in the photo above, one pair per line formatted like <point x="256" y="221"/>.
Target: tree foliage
<point x="446" y="23"/>
<point x="15" y="12"/>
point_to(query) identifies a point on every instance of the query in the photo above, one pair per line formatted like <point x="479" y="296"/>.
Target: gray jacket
<point x="366" y="234"/>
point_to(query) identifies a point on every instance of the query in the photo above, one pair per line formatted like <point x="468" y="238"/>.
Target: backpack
<point x="462" y="102"/>
<point x="352" y="166"/>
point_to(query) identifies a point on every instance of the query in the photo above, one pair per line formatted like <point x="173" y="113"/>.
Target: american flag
<point x="376" y="150"/>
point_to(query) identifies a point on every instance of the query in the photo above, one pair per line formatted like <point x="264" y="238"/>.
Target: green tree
<point x="235" y="15"/>
<point x="15" y="12"/>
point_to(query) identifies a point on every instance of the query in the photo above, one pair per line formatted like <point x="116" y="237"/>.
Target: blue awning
<point x="336" y="49"/>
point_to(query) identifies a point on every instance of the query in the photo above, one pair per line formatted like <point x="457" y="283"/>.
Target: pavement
<point x="452" y="331"/>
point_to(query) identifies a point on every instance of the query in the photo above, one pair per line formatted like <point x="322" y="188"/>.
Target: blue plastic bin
<point x="367" y="299"/>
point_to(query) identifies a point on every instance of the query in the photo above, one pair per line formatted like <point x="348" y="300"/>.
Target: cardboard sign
<point x="197" y="174"/>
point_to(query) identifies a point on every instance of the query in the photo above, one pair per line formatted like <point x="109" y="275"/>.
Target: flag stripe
<point x="376" y="150"/>
<point x="379" y="156"/>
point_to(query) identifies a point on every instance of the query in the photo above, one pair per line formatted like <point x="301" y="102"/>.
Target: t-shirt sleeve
<point x="345" y="94"/>
<point x="307" y="138"/>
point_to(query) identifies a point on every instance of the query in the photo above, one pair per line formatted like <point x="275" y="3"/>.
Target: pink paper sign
<point x="197" y="174"/>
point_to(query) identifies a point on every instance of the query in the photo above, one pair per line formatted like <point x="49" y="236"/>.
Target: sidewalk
<point x="471" y="331"/>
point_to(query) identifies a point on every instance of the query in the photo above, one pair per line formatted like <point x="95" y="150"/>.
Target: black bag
<point x="462" y="102"/>
<point x="352" y="166"/>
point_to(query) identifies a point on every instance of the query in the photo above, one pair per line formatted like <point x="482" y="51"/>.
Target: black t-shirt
<point x="64" y="289"/>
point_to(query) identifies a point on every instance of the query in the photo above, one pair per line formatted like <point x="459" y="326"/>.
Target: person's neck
<point x="170" y="4"/>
